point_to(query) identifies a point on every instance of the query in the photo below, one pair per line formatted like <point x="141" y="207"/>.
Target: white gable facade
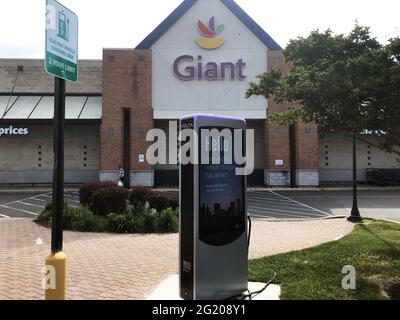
<point x="222" y="94"/>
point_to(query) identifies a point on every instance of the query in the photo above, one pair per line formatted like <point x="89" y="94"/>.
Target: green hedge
<point x="146" y="220"/>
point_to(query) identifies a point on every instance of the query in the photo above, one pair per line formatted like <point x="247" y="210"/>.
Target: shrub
<point x="46" y="214"/>
<point x="109" y="200"/>
<point x="149" y="220"/>
<point x="44" y="217"/>
<point x="136" y="220"/>
<point x="87" y="190"/>
<point x="157" y="201"/>
<point x="126" y="223"/>
<point x="173" y="202"/>
<point x="138" y="196"/>
<point x="117" y="223"/>
<point x="75" y="219"/>
<point x="168" y="221"/>
<point x="82" y="219"/>
<point x="161" y="201"/>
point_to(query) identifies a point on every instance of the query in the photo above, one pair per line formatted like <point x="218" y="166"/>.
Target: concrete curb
<point x="327" y="189"/>
<point x="299" y="219"/>
<point x="45" y="190"/>
<point x="306" y="189"/>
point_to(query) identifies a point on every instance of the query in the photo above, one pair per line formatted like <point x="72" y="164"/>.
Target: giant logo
<point x="210" y="40"/>
<point x="188" y="67"/>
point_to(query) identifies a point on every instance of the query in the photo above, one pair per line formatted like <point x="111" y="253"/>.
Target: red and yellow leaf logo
<point x="210" y="33"/>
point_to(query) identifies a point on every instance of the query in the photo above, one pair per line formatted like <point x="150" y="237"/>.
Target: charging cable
<point x="252" y="295"/>
<point x="249" y="235"/>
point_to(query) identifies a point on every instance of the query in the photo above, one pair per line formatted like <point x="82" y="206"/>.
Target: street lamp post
<point x="355" y="212"/>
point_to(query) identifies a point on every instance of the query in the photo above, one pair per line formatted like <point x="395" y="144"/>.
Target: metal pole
<point x="58" y="173"/>
<point x="355" y="212"/>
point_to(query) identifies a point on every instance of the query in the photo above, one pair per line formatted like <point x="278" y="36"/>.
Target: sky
<point x="124" y="23"/>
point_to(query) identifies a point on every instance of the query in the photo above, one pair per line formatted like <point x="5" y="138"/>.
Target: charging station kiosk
<point x="213" y="212"/>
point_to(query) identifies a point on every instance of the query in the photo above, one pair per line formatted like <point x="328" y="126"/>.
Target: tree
<point x="346" y="84"/>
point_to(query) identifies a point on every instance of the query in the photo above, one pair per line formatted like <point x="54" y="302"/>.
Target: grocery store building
<point x="200" y="59"/>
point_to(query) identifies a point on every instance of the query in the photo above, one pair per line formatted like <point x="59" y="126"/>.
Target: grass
<point x="373" y="248"/>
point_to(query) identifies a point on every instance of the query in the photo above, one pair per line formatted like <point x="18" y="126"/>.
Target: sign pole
<point x="62" y="62"/>
<point x="58" y="173"/>
<point x="56" y="263"/>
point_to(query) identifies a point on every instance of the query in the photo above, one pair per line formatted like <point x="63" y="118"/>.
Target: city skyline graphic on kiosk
<point x="221" y="199"/>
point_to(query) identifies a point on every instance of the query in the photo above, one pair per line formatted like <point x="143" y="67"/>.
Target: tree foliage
<point x="345" y="83"/>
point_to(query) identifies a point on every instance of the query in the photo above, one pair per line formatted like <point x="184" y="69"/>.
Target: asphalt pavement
<point x="265" y="204"/>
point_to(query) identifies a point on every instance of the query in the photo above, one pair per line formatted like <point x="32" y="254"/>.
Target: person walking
<point x="121" y="176"/>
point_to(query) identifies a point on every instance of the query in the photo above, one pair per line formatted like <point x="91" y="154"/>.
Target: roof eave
<point x="164" y="26"/>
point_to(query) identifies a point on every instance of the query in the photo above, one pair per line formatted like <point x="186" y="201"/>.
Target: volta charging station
<point x="213" y="211"/>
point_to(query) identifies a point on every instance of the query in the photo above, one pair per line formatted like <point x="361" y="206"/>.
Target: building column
<point x="142" y="173"/>
<point x="277" y="147"/>
<point x="292" y="157"/>
<point x="307" y="155"/>
<point x="277" y="172"/>
<point x="126" y="84"/>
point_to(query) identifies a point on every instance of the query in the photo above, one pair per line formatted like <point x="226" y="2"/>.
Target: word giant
<point x="186" y="69"/>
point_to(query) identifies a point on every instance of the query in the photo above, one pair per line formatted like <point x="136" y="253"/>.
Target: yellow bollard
<point x="56" y="277"/>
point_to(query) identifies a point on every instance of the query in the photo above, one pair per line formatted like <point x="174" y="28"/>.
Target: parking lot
<point x="28" y="205"/>
<point x="315" y="204"/>
<point x="271" y="205"/>
<point x="380" y="204"/>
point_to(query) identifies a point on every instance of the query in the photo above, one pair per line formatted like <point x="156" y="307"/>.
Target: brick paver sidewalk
<point x="107" y="266"/>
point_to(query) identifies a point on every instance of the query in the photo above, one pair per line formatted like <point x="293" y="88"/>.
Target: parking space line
<point x="269" y="199"/>
<point x="35" y="198"/>
<point x="276" y="219"/>
<point x="4" y="216"/>
<point x="300" y="203"/>
<point x="69" y="196"/>
<point x="283" y="216"/>
<point x="29" y="204"/>
<point x="263" y="217"/>
<point x="25" y="211"/>
<point x="288" y="208"/>
<point x="276" y="203"/>
<point x="279" y="204"/>
<point x="277" y="211"/>
<point x="75" y="201"/>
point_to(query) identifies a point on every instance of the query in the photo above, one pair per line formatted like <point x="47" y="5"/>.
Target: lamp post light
<point x="355" y="212"/>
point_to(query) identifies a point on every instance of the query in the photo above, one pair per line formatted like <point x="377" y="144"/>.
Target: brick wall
<point x="307" y="153"/>
<point x="34" y="79"/>
<point x="276" y="137"/>
<point x="278" y="141"/>
<point x="126" y="84"/>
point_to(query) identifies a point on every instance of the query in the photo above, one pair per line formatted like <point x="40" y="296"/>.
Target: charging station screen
<point x="222" y="215"/>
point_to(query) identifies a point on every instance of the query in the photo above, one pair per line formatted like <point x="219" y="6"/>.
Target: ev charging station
<point x="213" y="211"/>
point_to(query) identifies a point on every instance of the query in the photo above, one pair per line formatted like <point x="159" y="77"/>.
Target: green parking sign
<point x="61" y="41"/>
